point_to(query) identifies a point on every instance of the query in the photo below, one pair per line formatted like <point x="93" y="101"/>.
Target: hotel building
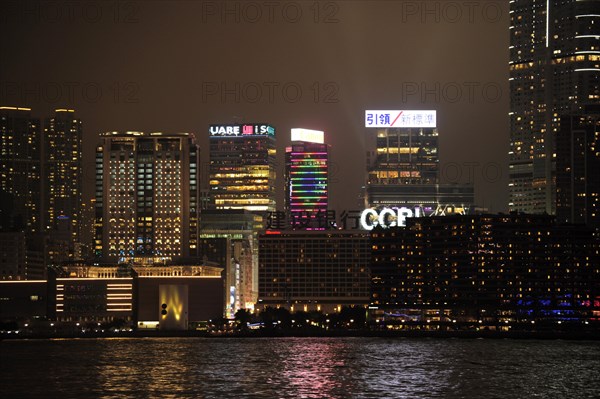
<point x="554" y="71"/>
<point x="485" y="269"/>
<point x="242" y="167"/>
<point x="314" y="270"/>
<point x="146" y="196"/>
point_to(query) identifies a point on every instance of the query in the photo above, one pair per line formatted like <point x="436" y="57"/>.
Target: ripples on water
<point x="299" y="368"/>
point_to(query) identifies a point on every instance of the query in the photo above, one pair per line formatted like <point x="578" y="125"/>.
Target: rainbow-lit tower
<point x="306" y="175"/>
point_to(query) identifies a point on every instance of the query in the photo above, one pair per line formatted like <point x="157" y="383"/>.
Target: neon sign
<point x="387" y="217"/>
<point x="401" y="119"/>
<point x="392" y="217"/>
<point x="253" y="129"/>
<point x="355" y="219"/>
<point x="311" y="136"/>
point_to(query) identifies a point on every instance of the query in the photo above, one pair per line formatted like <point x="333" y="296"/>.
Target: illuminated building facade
<point x="306" y="174"/>
<point x="314" y="270"/>
<point x="554" y="70"/>
<point x="486" y="269"/>
<point x="404" y="170"/>
<point x="20" y="154"/>
<point x="161" y="297"/>
<point x="63" y="179"/>
<point x="577" y="166"/>
<point x="242" y="167"/>
<point x="230" y="239"/>
<point x="146" y="196"/>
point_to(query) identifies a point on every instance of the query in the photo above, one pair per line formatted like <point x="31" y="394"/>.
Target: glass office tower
<point x="242" y="167"/>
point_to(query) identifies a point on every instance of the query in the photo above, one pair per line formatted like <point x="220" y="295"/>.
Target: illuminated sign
<point x="392" y="217"/>
<point x="252" y="129"/>
<point x="310" y="136"/>
<point x="400" y="119"/>
<point x="356" y="219"/>
<point x="387" y="217"/>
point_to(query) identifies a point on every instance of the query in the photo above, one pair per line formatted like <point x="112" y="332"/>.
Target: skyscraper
<point x="242" y="167"/>
<point x="21" y="169"/>
<point x="554" y="70"/>
<point x="306" y="174"/>
<point x="146" y="196"/>
<point x="62" y="183"/>
<point x="405" y="168"/>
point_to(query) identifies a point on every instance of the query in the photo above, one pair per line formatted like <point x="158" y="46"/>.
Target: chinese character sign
<point x="399" y="119"/>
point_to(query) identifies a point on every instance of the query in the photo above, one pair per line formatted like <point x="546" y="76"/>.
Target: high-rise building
<point x="577" y="166"/>
<point x="554" y="70"/>
<point x="404" y="169"/>
<point x="242" y="167"/>
<point x="146" y="196"/>
<point x="306" y="174"/>
<point x="62" y="183"/>
<point x="21" y="169"/>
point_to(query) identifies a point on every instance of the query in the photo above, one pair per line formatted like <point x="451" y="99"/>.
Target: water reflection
<point x="298" y="368"/>
<point x="318" y="369"/>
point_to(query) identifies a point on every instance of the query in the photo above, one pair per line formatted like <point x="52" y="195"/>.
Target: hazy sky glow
<point x="180" y="66"/>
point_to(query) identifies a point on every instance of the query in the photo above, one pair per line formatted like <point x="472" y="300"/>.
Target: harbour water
<point x="299" y="368"/>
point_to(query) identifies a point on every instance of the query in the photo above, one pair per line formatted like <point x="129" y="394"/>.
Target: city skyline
<point x="356" y="67"/>
<point x="440" y="181"/>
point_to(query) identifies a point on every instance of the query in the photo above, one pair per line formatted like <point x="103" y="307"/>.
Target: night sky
<point x="180" y="66"/>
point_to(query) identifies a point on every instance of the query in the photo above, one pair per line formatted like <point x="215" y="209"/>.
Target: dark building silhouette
<point x="577" y="166"/>
<point x="20" y="154"/>
<point x="22" y="247"/>
<point x="63" y="181"/>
